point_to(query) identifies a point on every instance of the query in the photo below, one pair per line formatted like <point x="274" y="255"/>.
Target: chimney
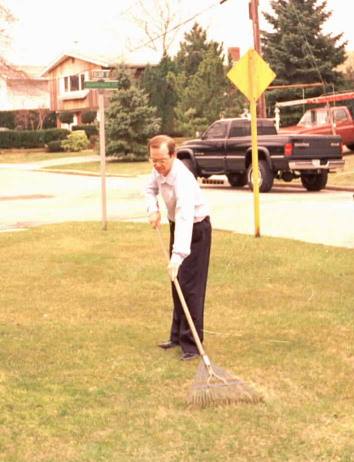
<point x="234" y="52"/>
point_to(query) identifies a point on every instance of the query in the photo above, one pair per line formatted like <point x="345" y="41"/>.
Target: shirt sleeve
<point x="184" y="219"/>
<point x="151" y="192"/>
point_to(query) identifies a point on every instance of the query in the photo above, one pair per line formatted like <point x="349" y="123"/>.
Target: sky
<point x="45" y="29"/>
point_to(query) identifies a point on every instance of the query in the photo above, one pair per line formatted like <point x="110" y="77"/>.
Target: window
<point x="340" y="114"/>
<point x="75" y="82"/>
<point x="217" y="130"/>
<point x="322" y="117"/>
<point x="238" y="129"/>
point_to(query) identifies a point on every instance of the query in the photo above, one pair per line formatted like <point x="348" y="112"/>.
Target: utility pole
<point x="253" y="15"/>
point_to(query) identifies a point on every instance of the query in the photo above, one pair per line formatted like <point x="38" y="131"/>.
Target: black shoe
<point x="167" y="345"/>
<point x="189" y="356"/>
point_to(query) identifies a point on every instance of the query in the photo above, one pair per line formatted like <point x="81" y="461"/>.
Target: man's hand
<point x="155" y="219"/>
<point x="172" y="269"/>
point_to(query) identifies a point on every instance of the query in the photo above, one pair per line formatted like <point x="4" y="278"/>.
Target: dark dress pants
<point x="192" y="277"/>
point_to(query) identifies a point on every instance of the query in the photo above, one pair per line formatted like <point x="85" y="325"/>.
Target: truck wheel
<point x="189" y="164"/>
<point x="266" y="177"/>
<point x="237" y="179"/>
<point x="314" y="181"/>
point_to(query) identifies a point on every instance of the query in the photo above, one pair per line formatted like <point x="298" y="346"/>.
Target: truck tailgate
<point x="316" y="146"/>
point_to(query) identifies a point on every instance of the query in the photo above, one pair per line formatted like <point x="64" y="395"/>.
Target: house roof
<point x="8" y="71"/>
<point x="100" y="60"/>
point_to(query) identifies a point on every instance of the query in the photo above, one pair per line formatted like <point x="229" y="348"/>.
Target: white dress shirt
<point x="184" y="201"/>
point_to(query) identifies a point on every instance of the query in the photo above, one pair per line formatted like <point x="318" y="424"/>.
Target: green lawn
<point x="346" y="176"/>
<point x="81" y="378"/>
<point x="17" y="156"/>
<point x="112" y="168"/>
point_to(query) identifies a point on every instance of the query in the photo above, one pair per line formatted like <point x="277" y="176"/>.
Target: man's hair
<point x="159" y="140"/>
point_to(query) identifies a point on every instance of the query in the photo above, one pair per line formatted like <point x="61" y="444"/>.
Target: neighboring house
<point x="20" y="90"/>
<point x="67" y="76"/>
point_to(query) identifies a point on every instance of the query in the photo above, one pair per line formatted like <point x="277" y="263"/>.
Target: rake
<point x="212" y="385"/>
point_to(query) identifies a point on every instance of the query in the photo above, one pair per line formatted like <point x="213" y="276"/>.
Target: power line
<point x="143" y="45"/>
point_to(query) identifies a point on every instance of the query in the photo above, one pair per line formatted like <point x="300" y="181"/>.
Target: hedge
<point x="31" y="138"/>
<point x="89" y="129"/>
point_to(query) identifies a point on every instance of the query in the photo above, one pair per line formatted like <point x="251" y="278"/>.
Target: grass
<point x="12" y="156"/>
<point x="346" y="176"/>
<point x="81" y="379"/>
<point x="112" y="168"/>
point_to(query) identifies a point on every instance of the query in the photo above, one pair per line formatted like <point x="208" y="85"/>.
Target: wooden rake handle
<point x="185" y="307"/>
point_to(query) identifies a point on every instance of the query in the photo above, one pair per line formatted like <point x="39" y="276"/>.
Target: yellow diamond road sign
<point x="251" y="75"/>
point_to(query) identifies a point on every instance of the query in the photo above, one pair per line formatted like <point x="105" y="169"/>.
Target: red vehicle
<point x="329" y="120"/>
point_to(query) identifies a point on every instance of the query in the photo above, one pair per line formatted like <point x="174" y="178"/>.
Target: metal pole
<point x="255" y="166"/>
<point x="253" y="13"/>
<point x="103" y="159"/>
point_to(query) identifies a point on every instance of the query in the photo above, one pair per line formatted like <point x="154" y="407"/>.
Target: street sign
<point x="251" y="75"/>
<point x="99" y="74"/>
<point x="101" y="84"/>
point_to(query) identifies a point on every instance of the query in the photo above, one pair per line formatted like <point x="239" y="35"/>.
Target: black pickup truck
<point x="225" y="148"/>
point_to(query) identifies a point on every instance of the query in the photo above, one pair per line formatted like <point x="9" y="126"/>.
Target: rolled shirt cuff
<point x="177" y="258"/>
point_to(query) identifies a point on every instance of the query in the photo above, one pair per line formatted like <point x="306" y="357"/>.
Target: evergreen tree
<point x="193" y="49"/>
<point x="130" y="121"/>
<point x="157" y="81"/>
<point x="203" y="95"/>
<point x="200" y="83"/>
<point x="298" y="50"/>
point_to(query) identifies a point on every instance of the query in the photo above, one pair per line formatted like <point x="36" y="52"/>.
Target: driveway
<point x="29" y="197"/>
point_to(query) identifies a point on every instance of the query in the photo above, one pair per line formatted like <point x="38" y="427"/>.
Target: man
<point x="190" y="238"/>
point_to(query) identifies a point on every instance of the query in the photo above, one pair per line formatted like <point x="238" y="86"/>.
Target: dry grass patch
<point x="81" y="379"/>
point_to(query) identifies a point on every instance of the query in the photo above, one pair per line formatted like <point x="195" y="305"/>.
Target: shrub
<point x="88" y="129"/>
<point x="7" y="119"/>
<point x="50" y="120"/>
<point x="76" y="141"/>
<point x="88" y="117"/>
<point x="66" y="117"/>
<point x="55" y="146"/>
<point x="30" y="138"/>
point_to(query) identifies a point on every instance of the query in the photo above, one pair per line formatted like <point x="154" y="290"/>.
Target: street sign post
<point x="252" y="75"/>
<point x="102" y="85"/>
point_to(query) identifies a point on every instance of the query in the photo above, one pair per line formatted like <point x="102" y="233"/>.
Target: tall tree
<point x="193" y="49"/>
<point x="130" y="120"/>
<point x="158" y="20"/>
<point x="298" y="50"/>
<point x="203" y="95"/>
<point x="201" y="83"/>
<point x="157" y="81"/>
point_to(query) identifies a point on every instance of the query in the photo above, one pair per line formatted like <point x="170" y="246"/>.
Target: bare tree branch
<point x="156" y="22"/>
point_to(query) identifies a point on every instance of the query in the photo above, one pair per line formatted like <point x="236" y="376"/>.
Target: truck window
<point x="322" y="117"/>
<point x="238" y="129"/>
<point x="307" y="119"/>
<point x="340" y="114"/>
<point x="217" y="130"/>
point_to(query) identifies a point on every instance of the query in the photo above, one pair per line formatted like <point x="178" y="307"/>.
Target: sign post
<point x="102" y="159"/>
<point x="100" y="86"/>
<point x="252" y="75"/>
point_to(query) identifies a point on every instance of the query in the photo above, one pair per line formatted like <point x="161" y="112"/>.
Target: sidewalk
<point x="51" y="163"/>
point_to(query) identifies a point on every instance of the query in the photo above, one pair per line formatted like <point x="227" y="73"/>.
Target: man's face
<point x="161" y="159"/>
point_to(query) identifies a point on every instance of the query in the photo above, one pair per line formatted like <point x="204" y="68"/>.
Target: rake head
<point x="214" y="386"/>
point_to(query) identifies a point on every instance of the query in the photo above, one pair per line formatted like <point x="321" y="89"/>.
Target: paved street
<point x="29" y="197"/>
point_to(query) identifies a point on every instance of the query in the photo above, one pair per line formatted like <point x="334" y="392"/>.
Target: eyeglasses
<point x="163" y="161"/>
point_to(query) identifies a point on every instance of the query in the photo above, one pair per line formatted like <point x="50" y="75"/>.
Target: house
<point x="21" y="91"/>
<point x="67" y="75"/>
